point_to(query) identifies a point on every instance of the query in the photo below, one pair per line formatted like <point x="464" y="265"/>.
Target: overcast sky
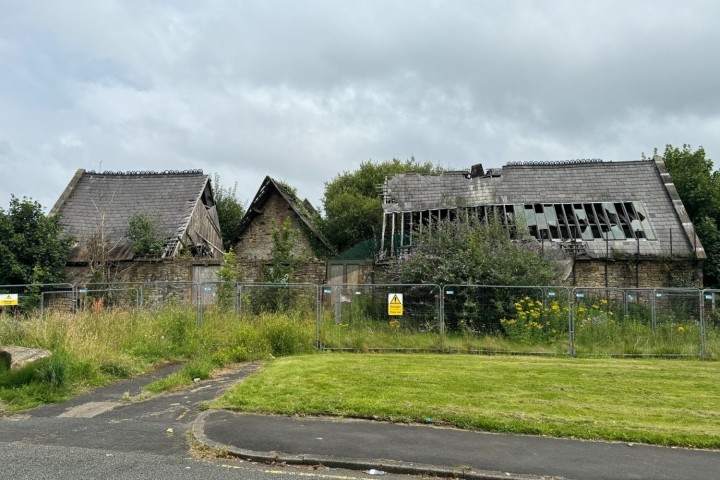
<point x="302" y="90"/>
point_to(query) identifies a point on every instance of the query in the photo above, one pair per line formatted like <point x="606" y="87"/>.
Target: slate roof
<point x="303" y="209"/>
<point x="583" y="181"/>
<point x="112" y="198"/>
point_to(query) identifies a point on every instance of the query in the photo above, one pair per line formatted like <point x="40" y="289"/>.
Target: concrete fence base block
<point x="16" y="357"/>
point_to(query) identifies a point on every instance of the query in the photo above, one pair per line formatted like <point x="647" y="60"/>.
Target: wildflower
<point x="680" y="329"/>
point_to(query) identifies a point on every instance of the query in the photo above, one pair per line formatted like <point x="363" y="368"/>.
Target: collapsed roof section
<point x="600" y="208"/>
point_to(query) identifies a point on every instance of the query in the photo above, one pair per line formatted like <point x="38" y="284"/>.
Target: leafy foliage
<point x="230" y="212"/>
<point x="468" y="252"/>
<point x="143" y="232"/>
<point x="699" y="188"/>
<point x="283" y="261"/>
<point x="228" y="274"/>
<point x="32" y="247"/>
<point x="353" y="207"/>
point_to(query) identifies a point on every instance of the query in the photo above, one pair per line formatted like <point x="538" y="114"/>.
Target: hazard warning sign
<point x="7" y="300"/>
<point x="395" y="304"/>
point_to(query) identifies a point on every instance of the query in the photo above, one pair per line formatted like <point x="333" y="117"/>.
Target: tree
<point x="143" y="232"/>
<point x="352" y="201"/>
<point x="699" y="188"/>
<point x="695" y="181"/>
<point x="32" y="247"/>
<point x="230" y="212"/>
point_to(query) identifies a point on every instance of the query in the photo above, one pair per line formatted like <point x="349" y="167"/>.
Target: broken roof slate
<point x="107" y="201"/>
<point x="551" y="183"/>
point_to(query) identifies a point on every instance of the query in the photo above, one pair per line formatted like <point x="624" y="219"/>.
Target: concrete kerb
<point x="389" y="466"/>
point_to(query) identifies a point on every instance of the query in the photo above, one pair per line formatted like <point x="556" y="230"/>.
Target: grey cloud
<point x="305" y="90"/>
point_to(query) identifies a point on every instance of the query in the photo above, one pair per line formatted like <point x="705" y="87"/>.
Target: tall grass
<point x="94" y="348"/>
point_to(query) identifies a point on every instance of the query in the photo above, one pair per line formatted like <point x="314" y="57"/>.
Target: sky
<point x="305" y="90"/>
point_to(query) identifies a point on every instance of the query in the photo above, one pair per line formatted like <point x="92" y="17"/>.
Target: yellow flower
<point x="681" y="329"/>
<point x="603" y="301"/>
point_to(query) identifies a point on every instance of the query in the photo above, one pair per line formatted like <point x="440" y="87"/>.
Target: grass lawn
<point x="667" y="402"/>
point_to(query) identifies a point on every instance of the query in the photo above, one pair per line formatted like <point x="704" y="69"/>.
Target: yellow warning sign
<point x="8" y="299"/>
<point x="395" y="304"/>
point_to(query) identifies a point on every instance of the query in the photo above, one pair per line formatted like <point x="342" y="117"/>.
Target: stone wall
<point x="311" y="271"/>
<point x="254" y="248"/>
<point x="620" y="274"/>
<point x="631" y="274"/>
<point x="162" y="280"/>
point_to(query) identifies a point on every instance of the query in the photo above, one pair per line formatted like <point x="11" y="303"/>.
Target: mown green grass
<point x="666" y="402"/>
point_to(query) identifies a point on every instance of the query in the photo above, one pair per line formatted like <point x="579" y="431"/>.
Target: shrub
<point x="534" y="322"/>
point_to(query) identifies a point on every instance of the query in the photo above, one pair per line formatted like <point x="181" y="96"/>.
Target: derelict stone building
<point x="96" y="209"/>
<point x="616" y="224"/>
<point x="273" y="204"/>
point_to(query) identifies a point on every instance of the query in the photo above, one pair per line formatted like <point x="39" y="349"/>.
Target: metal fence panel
<point x="504" y="318"/>
<point x="254" y="299"/>
<point x="38" y="296"/>
<point x="159" y="294"/>
<point x="636" y="322"/>
<point x="96" y="298"/>
<point x="365" y="317"/>
<point x="453" y="318"/>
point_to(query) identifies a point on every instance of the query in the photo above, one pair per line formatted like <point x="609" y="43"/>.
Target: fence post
<point x="318" y="316"/>
<point x="199" y="294"/>
<point x="238" y="297"/>
<point x="653" y="310"/>
<point x="702" y="323"/>
<point x="571" y="320"/>
<point x="442" y="309"/>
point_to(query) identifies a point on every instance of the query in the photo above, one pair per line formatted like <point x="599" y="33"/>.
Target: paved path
<point x="105" y="419"/>
<point x="421" y="449"/>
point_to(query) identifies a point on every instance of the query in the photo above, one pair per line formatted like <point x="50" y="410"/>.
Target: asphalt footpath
<point x="379" y="447"/>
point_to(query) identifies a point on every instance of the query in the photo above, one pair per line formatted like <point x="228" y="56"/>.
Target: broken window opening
<point x="556" y="222"/>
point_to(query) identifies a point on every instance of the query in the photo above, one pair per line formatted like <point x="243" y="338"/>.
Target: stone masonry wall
<point x="163" y="280"/>
<point x="254" y="248"/>
<point x="631" y="274"/>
